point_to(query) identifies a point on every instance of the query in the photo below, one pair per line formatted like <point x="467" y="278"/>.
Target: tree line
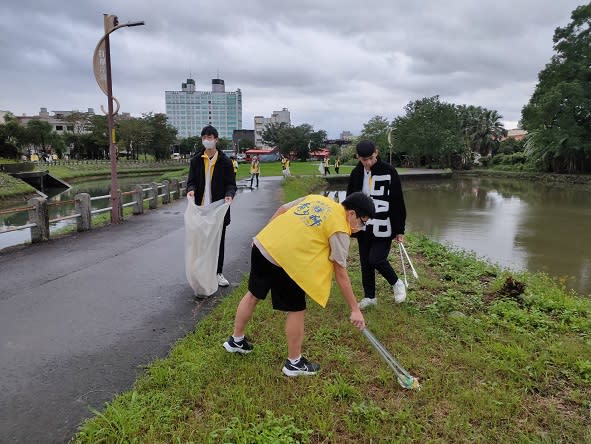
<point x="86" y="136"/>
<point x="557" y="119"/>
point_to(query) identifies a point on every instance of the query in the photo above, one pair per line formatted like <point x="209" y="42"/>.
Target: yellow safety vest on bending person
<point x="298" y="241"/>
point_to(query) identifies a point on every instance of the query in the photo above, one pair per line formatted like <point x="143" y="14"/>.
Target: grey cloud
<point x="334" y="64"/>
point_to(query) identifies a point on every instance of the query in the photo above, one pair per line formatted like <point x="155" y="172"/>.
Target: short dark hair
<point x="209" y="131"/>
<point x="361" y="204"/>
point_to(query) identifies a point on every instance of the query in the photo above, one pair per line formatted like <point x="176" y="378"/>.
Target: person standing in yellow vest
<point x="296" y="253"/>
<point x="234" y="164"/>
<point x="255" y="169"/>
<point x="326" y="164"/>
<point x="285" y="166"/>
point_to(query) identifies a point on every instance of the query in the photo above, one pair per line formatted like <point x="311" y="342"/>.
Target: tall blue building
<point x="189" y="110"/>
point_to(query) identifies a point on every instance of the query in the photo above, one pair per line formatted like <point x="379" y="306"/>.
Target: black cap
<point x="365" y="148"/>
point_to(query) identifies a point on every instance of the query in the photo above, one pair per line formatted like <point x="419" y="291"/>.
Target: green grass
<point x="495" y="366"/>
<point x="73" y="171"/>
<point x="296" y="168"/>
<point x="10" y="186"/>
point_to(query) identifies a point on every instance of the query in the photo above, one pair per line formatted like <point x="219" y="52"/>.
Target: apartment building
<point x="260" y="122"/>
<point x="189" y="110"/>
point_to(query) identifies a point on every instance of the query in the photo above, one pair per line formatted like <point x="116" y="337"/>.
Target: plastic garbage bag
<point x="203" y="232"/>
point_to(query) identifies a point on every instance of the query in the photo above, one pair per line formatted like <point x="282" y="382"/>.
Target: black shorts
<point x="286" y="295"/>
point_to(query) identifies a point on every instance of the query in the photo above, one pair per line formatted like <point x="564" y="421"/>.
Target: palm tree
<point x="482" y="129"/>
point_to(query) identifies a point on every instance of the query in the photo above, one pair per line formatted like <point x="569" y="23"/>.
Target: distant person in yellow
<point x="255" y="169"/>
<point x="285" y="166"/>
<point x="295" y="254"/>
<point x="326" y="165"/>
<point x="337" y="165"/>
<point x="234" y="164"/>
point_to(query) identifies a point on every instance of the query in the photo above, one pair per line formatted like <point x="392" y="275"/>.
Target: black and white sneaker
<point x="233" y="346"/>
<point x="302" y="367"/>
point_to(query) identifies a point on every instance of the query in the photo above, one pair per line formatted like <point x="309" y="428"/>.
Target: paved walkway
<point x="81" y="315"/>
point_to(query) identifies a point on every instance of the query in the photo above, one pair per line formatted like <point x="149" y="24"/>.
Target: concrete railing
<point x="38" y="207"/>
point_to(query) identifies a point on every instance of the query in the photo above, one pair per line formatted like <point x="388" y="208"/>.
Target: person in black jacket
<point x="211" y="178"/>
<point x="380" y="181"/>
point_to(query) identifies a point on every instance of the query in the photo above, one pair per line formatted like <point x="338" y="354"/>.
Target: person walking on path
<point x="211" y="178"/>
<point x="380" y="181"/>
<point x="326" y="164"/>
<point x="310" y="233"/>
<point x="255" y="168"/>
<point x="337" y="165"/>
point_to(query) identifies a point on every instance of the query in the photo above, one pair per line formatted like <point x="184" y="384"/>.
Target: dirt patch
<point x="511" y="289"/>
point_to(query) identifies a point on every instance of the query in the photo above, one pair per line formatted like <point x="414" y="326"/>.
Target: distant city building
<point x="58" y="120"/>
<point x="346" y="135"/>
<point x="260" y="122"/>
<point x="242" y="134"/>
<point x="190" y="110"/>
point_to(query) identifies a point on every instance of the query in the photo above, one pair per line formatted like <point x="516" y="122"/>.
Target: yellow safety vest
<point x="298" y="241"/>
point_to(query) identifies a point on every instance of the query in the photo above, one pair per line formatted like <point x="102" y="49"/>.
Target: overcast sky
<point x="333" y="63"/>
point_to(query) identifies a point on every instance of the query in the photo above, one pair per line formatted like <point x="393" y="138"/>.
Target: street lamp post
<point x="102" y="73"/>
<point x="390" y="142"/>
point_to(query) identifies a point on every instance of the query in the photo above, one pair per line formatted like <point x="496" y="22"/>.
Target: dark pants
<point x="221" y="252"/>
<point x="252" y="176"/>
<point x="373" y="255"/>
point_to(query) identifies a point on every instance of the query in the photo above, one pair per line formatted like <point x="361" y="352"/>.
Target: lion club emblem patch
<point x="312" y="213"/>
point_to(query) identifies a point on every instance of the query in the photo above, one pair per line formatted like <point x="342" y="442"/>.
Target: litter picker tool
<point x="414" y="272"/>
<point x="403" y="265"/>
<point x="405" y="379"/>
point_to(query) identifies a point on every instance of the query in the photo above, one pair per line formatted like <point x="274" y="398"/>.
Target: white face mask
<point x="208" y="144"/>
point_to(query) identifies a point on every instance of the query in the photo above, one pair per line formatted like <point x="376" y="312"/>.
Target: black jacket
<point x="223" y="180"/>
<point x="386" y="192"/>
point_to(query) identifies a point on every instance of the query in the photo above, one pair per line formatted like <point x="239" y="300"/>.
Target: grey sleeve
<point x="339" y="248"/>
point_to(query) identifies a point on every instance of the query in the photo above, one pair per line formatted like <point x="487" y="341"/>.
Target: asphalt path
<point x="81" y="316"/>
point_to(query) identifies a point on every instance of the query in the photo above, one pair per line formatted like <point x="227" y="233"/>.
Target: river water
<point x="519" y="225"/>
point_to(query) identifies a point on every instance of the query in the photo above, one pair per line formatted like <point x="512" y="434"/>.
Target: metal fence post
<point x="39" y="215"/>
<point x="166" y="192"/>
<point x="138" y="194"/>
<point x="82" y="204"/>
<point x="154" y="200"/>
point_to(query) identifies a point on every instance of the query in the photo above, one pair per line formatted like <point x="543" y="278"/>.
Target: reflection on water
<point x="517" y="224"/>
<point x="94" y="188"/>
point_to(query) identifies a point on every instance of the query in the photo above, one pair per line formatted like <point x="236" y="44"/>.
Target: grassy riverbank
<point x="501" y="357"/>
<point x="11" y="187"/>
<point x="546" y="178"/>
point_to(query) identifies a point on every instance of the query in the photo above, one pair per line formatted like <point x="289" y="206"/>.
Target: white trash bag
<point x="203" y="232"/>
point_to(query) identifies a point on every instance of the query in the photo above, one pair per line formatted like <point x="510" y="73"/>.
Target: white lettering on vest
<point x="381" y="227"/>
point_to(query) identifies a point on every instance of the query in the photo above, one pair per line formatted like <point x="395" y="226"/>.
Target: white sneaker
<point x="222" y="281"/>
<point x="366" y="302"/>
<point x="399" y="291"/>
